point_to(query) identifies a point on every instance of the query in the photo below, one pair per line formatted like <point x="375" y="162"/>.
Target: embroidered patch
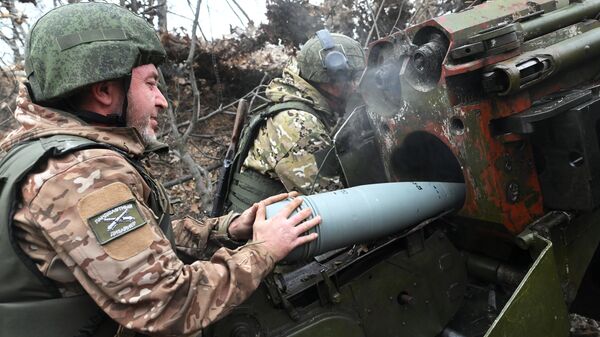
<point x="117" y="221"/>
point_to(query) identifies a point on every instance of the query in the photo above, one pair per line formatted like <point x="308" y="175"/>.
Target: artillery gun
<point x="504" y="98"/>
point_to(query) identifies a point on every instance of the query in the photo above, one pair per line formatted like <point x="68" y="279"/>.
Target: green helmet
<point x="312" y="58"/>
<point x="80" y="44"/>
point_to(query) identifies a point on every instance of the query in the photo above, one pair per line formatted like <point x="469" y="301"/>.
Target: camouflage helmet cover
<point x="310" y="61"/>
<point x="76" y="45"/>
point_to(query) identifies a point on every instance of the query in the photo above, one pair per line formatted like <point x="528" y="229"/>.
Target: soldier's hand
<point x="281" y="233"/>
<point x="241" y="228"/>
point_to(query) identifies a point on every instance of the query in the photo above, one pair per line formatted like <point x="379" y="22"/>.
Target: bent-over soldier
<point x="287" y="145"/>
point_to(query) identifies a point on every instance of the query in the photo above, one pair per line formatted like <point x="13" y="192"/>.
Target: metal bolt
<point x="508" y="165"/>
<point x="405" y="299"/>
<point x="512" y="192"/>
<point x="336" y="298"/>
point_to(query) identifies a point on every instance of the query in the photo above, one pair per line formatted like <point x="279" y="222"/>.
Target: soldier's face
<point x="340" y="90"/>
<point x="145" y="102"/>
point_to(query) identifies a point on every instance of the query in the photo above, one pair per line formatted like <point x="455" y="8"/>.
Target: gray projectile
<point x="364" y="213"/>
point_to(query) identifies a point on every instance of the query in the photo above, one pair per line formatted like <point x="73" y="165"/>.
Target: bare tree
<point x="11" y="20"/>
<point x="161" y="14"/>
<point x="13" y="28"/>
<point x="200" y="174"/>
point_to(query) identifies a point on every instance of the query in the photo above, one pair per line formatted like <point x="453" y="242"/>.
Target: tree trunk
<point x="162" y="16"/>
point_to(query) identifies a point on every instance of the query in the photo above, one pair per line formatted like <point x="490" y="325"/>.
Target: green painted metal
<point x="432" y="281"/>
<point x="413" y="292"/>
<point x="560" y="35"/>
<point x="574" y="246"/>
<point x="577" y="11"/>
<point x="334" y="325"/>
<point x="537" y="308"/>
<point x="559" y="56"/>
<point x="490" y="14"/>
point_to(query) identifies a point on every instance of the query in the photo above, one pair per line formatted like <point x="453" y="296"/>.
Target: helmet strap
<point x="336" y="103"/>
<point x="123" y="116"/>
<point x="94" y="118"/>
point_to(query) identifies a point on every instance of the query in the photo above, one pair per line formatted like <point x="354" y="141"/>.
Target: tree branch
<point x="189" y="177"/>
<point x="234" y="12"/>
<point x="398" y="17"/>
<point x="242" y="10"/>
<point x="375" y="24"/>
<point x="199" y="174"/>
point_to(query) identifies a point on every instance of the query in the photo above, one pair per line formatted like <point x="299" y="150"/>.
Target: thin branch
<point x="256" y="90"/>
<point x="418" y="15"/>
<point x="234" y="12"/>
<point x="185" y="17"/>
<point x="222" y="109"/>
<point x="189" y="177"/>
<point x="242" y="10"/>
<point x="190" y="64"/>
<point x="202" y="33"/>
<point x="204" y="154"/>
<point x="375" y="24"/>
<point x="206" y="136"/>
<point x="199" y="174"/>
<point x="179" y="15"/>
<point x="398" y="18"/>
<point x="17" y="31"/>
<point x="203" y="118"/>
<point x="13" y="46"/>
<point x="8" y="119"/>
<point x="173" y="124"/>
<point x="474" y="3"/>
<point x="149" y="9"/>
<point x="134" y="6"/>
<point x="17" y="21"/>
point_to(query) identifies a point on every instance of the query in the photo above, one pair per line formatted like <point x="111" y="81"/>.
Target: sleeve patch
<point x="116" y="221"/>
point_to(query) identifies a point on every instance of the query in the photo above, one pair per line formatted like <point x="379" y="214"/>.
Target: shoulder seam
<point x="112" y="154"/>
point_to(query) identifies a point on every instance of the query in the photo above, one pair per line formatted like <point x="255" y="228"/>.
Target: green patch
<point x="117" y="221"/>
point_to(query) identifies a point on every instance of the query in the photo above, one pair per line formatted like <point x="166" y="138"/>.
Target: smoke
<point x="394" y="90"/>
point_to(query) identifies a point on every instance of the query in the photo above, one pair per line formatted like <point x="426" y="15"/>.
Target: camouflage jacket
<point x="293" y="143"/>
<point x="136" y="278"/>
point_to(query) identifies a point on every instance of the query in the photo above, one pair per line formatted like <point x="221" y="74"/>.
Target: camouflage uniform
<point x="136" y="278"/>
<point x="287" y="146"/>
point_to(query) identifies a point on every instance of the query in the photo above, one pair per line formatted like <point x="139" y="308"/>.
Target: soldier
<point x="85" y="230"/>
<point x="287" y="146"/>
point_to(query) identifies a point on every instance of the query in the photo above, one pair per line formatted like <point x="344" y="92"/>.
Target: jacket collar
<point x="37" y="121"/>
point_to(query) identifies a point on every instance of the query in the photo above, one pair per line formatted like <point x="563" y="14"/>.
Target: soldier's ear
<point x="107" y="95"/>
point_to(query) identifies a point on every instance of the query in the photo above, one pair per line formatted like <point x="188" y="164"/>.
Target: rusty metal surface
<point x="445" y="131"/>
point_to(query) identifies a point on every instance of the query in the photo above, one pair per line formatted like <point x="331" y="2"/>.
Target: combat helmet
<point x="76" y="45"/>
<point x="346" y="54"/>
